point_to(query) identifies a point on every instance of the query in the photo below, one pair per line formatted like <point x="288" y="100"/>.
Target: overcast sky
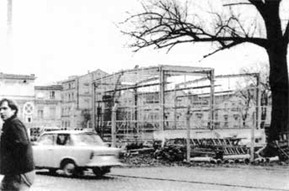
<point x="54" y="39"/>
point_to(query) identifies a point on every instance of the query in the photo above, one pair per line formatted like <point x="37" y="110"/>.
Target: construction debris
<point x="212" y="151"/>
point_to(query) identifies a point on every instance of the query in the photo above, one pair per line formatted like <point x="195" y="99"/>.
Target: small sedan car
<point x="74" y="152"/>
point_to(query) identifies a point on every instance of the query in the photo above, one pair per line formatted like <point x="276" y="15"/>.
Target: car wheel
<point x="52" y="171"/>
<point x="99" y="172"/>
<point x="69" y="168"/>
<point x="78" y="172"/>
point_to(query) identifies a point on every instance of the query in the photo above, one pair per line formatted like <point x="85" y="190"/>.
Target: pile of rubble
<point x="204" y="152"/>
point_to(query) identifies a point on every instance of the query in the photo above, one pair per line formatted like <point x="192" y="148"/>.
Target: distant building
<point x="48" y="106"/>
<point x="76" y="100"/>
<point x="20" y="88"/>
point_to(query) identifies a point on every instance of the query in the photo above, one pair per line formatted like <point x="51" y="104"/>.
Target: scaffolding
<point x="150" y="99"/>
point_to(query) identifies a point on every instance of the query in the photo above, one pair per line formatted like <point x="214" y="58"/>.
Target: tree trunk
<point x="279" y="87"/>
<point x="277" y="52"/>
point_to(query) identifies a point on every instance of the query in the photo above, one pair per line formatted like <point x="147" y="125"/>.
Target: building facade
<point x="76" y="100"/>
<point x="20" y="88"/>
<point x="48" y="106"/>
<point x="64" y="105"/>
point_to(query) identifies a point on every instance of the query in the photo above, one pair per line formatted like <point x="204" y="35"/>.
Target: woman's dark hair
<point x="11" y="104"/>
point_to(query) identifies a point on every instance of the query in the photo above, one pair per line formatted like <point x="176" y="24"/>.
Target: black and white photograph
<point x="144" y="95"/>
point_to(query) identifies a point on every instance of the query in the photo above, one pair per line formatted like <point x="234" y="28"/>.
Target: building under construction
<point x="165" y="101"/>
<point x="143" y="103"/>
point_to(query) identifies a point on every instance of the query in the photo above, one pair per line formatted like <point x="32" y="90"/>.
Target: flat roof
<point x="50" y="87"/>
<point x="17" y="76"/>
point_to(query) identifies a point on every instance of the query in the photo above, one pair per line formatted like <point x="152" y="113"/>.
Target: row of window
<point x="51" y="113"/>
<point x="66" y="111"/>
<point x="70" y="85"/>
<point x="68" y="96"/>
<point x="66" y="124"/>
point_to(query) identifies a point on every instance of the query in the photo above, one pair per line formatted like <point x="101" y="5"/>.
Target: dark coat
<point x="15" y="148"/>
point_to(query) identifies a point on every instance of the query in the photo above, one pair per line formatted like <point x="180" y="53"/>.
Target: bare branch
<point x="233" y="4"/>
<point x="220" y="49"/>
<point x="166" y="25"/>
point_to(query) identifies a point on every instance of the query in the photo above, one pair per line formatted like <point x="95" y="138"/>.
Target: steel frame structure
<point x="135" y="93"/>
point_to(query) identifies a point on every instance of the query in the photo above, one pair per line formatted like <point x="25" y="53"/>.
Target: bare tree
<point x="264" y="89"/>
<point x="166" y="23"/>
<point x="247" y="96"/>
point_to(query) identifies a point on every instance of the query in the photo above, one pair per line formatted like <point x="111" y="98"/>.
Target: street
<point x="244" y="178"/>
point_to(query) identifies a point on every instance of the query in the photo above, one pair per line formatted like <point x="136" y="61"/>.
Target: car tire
<point x="69" y="168"/>
<point x="79" y="172"/>
<point x="99" y="171"/>
<point x="52" y="171"/>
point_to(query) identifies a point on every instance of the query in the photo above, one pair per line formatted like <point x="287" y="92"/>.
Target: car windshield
<point x="87" y="139"/>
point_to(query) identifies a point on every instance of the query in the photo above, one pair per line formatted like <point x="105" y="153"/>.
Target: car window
<point x="63" y="139"/>
<point x="46" y="139"/>
<point x="85" y="139"/>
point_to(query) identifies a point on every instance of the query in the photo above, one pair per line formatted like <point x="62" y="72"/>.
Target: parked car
<point x="73" y="152"/>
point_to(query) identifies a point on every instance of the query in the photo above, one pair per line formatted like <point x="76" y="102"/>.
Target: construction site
<point x="178" y="103"/>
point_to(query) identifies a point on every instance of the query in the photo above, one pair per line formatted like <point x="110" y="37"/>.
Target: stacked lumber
<point x="204" y="150"/>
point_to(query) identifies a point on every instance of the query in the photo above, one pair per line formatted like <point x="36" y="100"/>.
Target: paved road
<point x="171" y="179"/>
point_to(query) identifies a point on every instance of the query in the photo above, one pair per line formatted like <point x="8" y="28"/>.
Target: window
<point x="52" y="95"/>
<point x="67" y="124"/>
<point x="236" y="116"/>
<point x="63" y="139"/>
<point x="40" y="114"/>
<point x="28" y="119"/>
<point x="216" y="116"/>
<point x="87" y="139"/>
<point x="199" y="115"/>
<point x="226" y="106"/>
<point x="52" y="112"/>
<point x="46" y="140"/>
<point x="152" y="98"/>
<point x="226" y="123"/>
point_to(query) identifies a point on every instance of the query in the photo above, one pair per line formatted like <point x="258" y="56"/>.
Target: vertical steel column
<point x="257" y="120"/>
<point x="257" y="75"/>
<point x="175" y="107"/>
<point x="93" y="105"/>
<point x="188" y="140"/>
<point x="113" y="126"/>
<point x="77" y="92"/>
<point x="162" y="101"/>
<point x="212" y="98"/>
<point x="136" y="126"/>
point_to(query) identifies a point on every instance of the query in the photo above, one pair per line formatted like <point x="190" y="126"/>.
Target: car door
<point x="63" y="148"/>
<point x="43" y="150"/>
<point x="66" y="148"/>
